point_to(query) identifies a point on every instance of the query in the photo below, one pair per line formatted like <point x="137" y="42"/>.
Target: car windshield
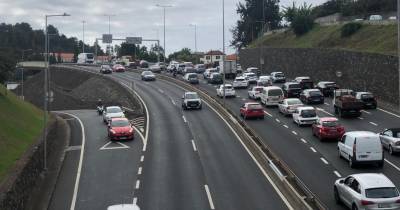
<point x="114" y="110"/>
<point x="308" y="113"/>
<point x="294" y="86"/>
<point x="227" y="87"/>
<point x="192" y="96"/>
<point x="147" y="73"/>
<point x="119" y="123"/>
<point x="251" y="75"/>
<point x="279" y="75"/>
<point x="383" y="192"/>
<point x="90" y="56"/>
<point x="192" y="76"/>
<point x="239" y="79"/>
<point x="275" y="92"/>
<point x="254" y="106"/>
<point x="330" y="123"/>
<point x="315" y="93"/>
<point x="293" y="102"/>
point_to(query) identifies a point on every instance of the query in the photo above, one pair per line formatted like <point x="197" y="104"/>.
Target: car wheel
<point x="390" y="150"/>
<point x="380" y="163"/>
<point x="336" y="195"/>
<point x="354" y="207"/>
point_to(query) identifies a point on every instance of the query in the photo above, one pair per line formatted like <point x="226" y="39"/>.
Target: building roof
<point x="214" y="52"/>
<point x="232" y="57"/>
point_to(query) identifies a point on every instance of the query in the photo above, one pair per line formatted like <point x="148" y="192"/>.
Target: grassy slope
<point x="20" y="125"/>
<point x="370" y="38"/>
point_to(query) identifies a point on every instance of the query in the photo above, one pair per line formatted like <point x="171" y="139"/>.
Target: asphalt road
<point x="316" y="163"/>
<point x="192" y="160"/>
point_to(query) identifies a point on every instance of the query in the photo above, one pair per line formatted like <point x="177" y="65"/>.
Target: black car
<point x="312" y="96"/>
<point x="305" y="82"/>
<point x="291" y="89"/>
<point x="368" y="99"/>
<point x="327" y="88"/>
<point x="105" y="69"/>
<point x="215" y="78"/>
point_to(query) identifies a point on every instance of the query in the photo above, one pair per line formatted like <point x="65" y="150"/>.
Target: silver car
<point x="289" y="105"/>
<point x="390" y="139"/>
<point x="112" y="112"/>
<point x="367" y="191"/>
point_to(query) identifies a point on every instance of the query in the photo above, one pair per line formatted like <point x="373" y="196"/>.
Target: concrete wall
<point x="374" y="72"/>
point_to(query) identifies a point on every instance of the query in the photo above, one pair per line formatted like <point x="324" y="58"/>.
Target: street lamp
<point x="164" y="6"/>
<point x="46" y="85"/>
<point x="22" y="75"/>
<point x="83" y="36"/>
<point x="223" y="49"/>
<point x="195" y="36"/>
<point x="109" y="31"/>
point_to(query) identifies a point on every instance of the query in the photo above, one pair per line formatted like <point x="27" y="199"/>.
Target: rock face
<point x="75" y="89"/>
<point x="355" y="70"/>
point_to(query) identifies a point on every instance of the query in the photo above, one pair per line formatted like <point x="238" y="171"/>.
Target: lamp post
<point x="22" y="75"/>
<point x="83" y="36"/>
<point x="398" y="43"/>
<point x="46" y="86"/>
<point x="223" y="49"/>
<point x="109" y="31"/>
<point x="195" y="36"/>
<point x="164" y="7"/>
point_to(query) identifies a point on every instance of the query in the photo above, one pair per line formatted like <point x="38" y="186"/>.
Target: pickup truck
<point x="345" y="104"/>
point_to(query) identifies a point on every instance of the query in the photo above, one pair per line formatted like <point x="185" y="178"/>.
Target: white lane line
<point x="322" y="110"/>
<point x="142" y="158"/>
<point x="372" y="123"/>
<point x="294" y="132"/>
<point x="366" y="112"/>
<point x="173" y="102"/>
<point x="387" y="112"/>
<point x="137" y="184"/>
<point x="337" y="174"/>
<point x="194" y="146"/>
<point x="323" y="160"/>
<point x="285" y="126"/>
<point x="303" y="140"/>
<point x="268" y="113"/>
<point x="139" y="171"/>
<point x="243" y="99"/>
<point x="135" y="200"/>
<point x="184" y="118"/>
<point x="327" y="104"/>
<point x="312" y="149"/>
<point x="78" y="173"/>
<point x="238" y="96"/>
<point x="392" y="164"/>
<point x="360" y="118"/>
<point x="210" y="201"/>
<point x="277" y="120"/>
<point x="161" y="91"/>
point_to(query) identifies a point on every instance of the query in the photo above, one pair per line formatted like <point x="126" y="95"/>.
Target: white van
<point x="361" y="147"/>
<point x="85" y="58"/>
<point x="375" y="17"/>
<point x="271" y="96"/>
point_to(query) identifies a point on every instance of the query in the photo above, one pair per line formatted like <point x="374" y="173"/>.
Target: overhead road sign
<point x="134" y="40"/>
<point x="107" y="38"/>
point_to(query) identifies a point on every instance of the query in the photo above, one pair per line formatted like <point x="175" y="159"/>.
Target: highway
<point x="192" y="160"/>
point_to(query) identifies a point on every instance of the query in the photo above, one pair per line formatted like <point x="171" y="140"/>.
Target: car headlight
<point x="131" y="130"/>
<point x="397" y="143"/>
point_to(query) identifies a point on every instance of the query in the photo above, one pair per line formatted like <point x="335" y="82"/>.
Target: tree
<point x="252" y="22"/>
<point x="300" y="18"/>
<point x="184" y="54"/>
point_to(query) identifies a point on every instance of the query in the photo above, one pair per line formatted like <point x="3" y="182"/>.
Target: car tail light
<point x="366" y="202"/>
<point x="131" y="130"/>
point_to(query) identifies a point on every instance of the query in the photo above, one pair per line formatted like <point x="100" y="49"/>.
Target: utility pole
<point x="223" y="49"/>
<point x="109" y="32"/>
<point x="164" y="7"/>
<point x="398" y="44"/>
<point x="83" y="36"/>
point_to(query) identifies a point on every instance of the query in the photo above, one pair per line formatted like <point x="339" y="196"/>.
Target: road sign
<point x="134" y="40"/>
<point x="107" y="38"/>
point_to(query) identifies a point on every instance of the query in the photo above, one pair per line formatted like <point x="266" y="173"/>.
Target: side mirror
<point x="183" y="97"/>
<point x="341" y="181"/>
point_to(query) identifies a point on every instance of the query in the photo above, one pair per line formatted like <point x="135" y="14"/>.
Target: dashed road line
<point x="366" y="112"/>
<point x="360" y="118"/>
<point x="139" y="171"/>
<point x="393" y="165"/>
<point x="142" y="158"/>
<point x="210" y="201"/>
<point x="337" y="174"/>
<point x="173" y="102"/>
<point x="303" y="140"/>
<point x="387" y="112"/>
<point x="294" y="132"/>
<point x="194" y="146"/>
<point x="285" y="126"/>
<point x="277" y="120"/>
<point x="372" y="123"/>
<point x="268" y="113"/>
<point x="312" y="149"/>
<point x="323" y="110"/>
<point x="184" y="118"/>
<point x="161" y="91"/>
<point x="323" y="160"/>
<point x="137" y="186"/>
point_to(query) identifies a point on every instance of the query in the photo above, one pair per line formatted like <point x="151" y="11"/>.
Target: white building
<point x="212" y="56"/>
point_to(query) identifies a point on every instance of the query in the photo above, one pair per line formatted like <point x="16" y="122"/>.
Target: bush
<point x="349" y="29"/>
<point x="301" y="18"/>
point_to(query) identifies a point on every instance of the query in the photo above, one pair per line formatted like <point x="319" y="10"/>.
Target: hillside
<point x="370" y="38"/>
<point x="20" y="125"/>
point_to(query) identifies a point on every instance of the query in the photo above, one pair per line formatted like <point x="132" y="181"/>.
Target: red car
<point x="118" y="68"/>
<point x="120" y="129"/>
<point x="252" y="110"/>
<point x="328" y="128"/>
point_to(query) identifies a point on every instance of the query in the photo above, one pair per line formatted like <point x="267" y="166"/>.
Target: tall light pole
<point x="22" y="75"/>
<point x="83" y="36"/>
<point x="223" y="48"/>
<point x="109" y="31"/>
<point x="46" y="86"/>
<point x="398" y="43"/>
<point x="158" y="46"/>
<point x="164" y="7"/>
<point x="195" y="36"/>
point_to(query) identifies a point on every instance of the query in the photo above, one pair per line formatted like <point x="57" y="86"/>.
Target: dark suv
<point x="327" y="88"/>
<point x="291" y="89"/>
<point x="312" y="96"/>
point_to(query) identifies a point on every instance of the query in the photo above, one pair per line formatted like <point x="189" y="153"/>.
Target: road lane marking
<point x="303" y="140"/>
<point x="243" y="99"/>
<point x="184" y="118"/>
<point x="173" y="102"/>
<point x="360" y="118"/>
<point x="194" y="146"/>
<point x="322" y="110"/>
<point x="135" y="200"/>
<point x="277" y="120"/>
<point x="210" y="201"/>
<point x="139" y="171"/>
<point x="121" y="146"/>
<point x="393" y="165"/>
<point x="327" y="104"/>
<point x="137" y="184"/>
<point x="323" y="160"/>
<point x="366" y="112"/>
<point x="294" y="132"/>
<point x="312" y="149"/>
<point x="268" y="113"/>
<point x="285" y="126"/>
<point x="372" y="123"/>
<point x="387" y="112"/>
<point x="161" y="91"/>
<point x="142" y="158"/>
<point x="337" y="174"/>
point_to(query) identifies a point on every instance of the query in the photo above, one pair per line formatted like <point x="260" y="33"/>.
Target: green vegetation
<point x="349" y="29"/>
<point x="300" y="18"/>
<point x="370" y="38"/>
<point x="20" y="125"/>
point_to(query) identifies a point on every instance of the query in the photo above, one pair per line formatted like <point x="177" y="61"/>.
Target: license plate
<point x="384" y="205"/>
<point x="363" y="156"/>
<point x="123" y="137"/>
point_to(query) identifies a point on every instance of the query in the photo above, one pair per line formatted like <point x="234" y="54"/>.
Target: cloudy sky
<point x="134" y="18"/>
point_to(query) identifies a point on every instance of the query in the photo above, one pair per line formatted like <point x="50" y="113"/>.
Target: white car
<point x="229" y="91"/>
<point x="240" y="82"/>
<point x="305" y="115"/>
<point x="112" y="112"/>
<point x="271" y="95"/>
<point x="367" y="191"/>
<point x="255" y="92"/>
<point x="361" y="147"/>
<point x="289" y="105"/>
<point x="278" y="76"/>
<point x="191" y="100"/>
<point x="251" y="77"/>
<point x="264" y="81"/>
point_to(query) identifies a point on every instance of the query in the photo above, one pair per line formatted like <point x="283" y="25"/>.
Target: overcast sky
<point x="134" y="18"/>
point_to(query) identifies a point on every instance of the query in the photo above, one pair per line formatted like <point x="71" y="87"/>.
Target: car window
<point x="315" y="93"/>
<point x="293" y="102"/>
<point x="348" y="181"/>
<point x="343" y="139"/>
<point x="275" y="92"/>
<point x="114" y="110"/>
<point x="384" y="192"/>
<point x="292" y="86"/>
<point x="330" y="123"/>
<point x="254" y="106"/>
<point x="388" y="133"/>
<point x="308" y="113"/>
<point x="119" y="123"/>
<point x="355" y="186"/>
<point x="192" y="96"/>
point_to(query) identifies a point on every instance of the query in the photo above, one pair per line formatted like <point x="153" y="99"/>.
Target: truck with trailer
<point x="228" y="68"/>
